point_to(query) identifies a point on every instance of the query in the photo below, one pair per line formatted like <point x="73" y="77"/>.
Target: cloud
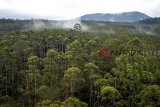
<point x="69" y="9"/>
<point x="155" y="10"/>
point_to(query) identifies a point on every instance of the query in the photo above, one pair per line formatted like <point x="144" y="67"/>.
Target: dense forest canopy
<point x="62" y="67"/>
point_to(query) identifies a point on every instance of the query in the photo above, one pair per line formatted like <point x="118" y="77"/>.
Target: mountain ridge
<point x="117" y="17"/>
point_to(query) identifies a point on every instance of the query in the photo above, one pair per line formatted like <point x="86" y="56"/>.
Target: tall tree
<point x="72" y="78"/>
<point x="89" y="73"/>
<point x="75" y="54"/>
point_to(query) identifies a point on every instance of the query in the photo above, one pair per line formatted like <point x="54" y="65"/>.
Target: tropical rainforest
<point x="56" y="67"/>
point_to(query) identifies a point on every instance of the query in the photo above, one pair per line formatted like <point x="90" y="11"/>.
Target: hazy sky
<point x="68" y="9"/>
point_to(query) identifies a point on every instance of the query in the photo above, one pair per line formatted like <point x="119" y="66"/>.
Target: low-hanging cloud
<point x="39" y="24"/>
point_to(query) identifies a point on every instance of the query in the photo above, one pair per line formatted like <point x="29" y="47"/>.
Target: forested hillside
<point x="62" y="68"/>
<point x="151" y="21"/>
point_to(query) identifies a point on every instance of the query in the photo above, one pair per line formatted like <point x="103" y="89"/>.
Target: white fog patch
<point x="70" y="24"/>
<point x="45" y="24"/>
<point x="38" y="24"/>
<point x="143" y="30"/>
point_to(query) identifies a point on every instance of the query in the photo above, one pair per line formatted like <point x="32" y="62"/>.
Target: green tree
<point x="52" y="72"/>
<point x="89" y="74"/>
<point x="109" y="95"/>
<point x="72" y="77"/>
<point x="150" y="96"/>
<point x="75" y="54"/>
<point x="74" y="102"/>
<point x="32" y="79"/>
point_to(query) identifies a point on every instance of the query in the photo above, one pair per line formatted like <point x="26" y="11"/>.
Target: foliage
<point x="62" y="68"/>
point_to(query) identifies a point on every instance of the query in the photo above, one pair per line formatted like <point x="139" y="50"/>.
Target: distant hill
<point x="151" y="21"/>
<point x="118" y="17"/>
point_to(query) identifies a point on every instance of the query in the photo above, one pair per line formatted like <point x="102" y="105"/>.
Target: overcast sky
<point x="68" y="9"/>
